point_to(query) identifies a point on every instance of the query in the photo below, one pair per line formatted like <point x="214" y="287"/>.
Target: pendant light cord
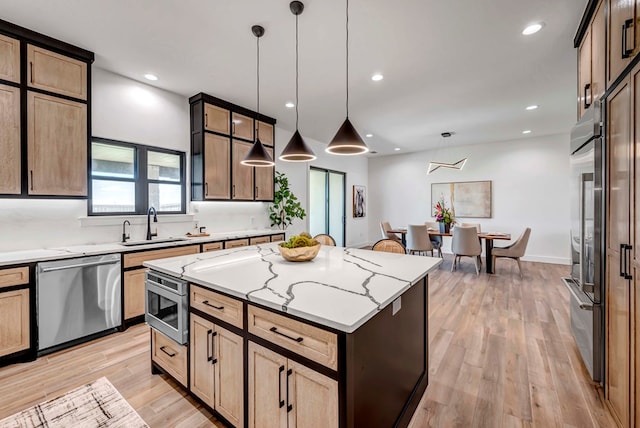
<point x="296" y="72"/>
<point x="347" y="58"/>
<point x="258" y="85"/>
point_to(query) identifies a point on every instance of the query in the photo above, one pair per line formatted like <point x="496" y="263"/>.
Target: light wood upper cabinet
<point x="10" y="178"/>
<point x="15" y="332"/>
<point x="217" y="155"/>
<point x="264" y="181"/>
<point x="134" y="294"/>
<point x="241" y="126"/>
<point x="623" y="36"/>
<point x="598" y="53"/>
<point x="9" y="59"/>
<point x="242" y="177"/>
<point x="57" y="146"/>
<point x="265" y="132"/>
<point x="57" y="73"/>
<point x="216" y="119"/>
<point x="584" y="73"/>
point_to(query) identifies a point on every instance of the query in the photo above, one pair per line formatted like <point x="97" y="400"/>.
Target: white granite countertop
<point x="44" y="254"/>
<point x="341" y="288"/>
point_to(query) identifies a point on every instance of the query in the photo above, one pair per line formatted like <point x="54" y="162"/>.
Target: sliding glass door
<point x="327" y="203"/>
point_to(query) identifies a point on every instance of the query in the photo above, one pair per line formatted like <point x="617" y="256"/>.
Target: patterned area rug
<point x="97" y="404"/>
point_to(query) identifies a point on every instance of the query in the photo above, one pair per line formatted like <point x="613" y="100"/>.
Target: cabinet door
<point x="242" y="183"/>
<point x="266" y="388"/>
<point x="242" y="126"/>
<point x="265" y="132"/>
<point x="56" y="73"/>
<point x="10" y="139"/>
<point x="312" y="398"/>
<point x="264" y="181"/>
<point x="229" y="375"/>
<point x="217" y="167"/>
<point x="134" y="294"/>
<point x="57" y="146"/>
<point x="216" y="119"/>
<point x="9" y="59"/>
<point x="598" y="53"/>
<point x="201" y="359"/>
<point x="618" y="348"/>
<point x="584" y="73"/>
<point x="14" y="321"/>
<point x="622" y="37"/>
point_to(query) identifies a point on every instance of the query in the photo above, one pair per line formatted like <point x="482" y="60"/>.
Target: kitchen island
<point x="338" y="341"/>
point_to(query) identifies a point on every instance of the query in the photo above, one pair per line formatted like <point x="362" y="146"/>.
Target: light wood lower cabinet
<point x="216" y="358"/>
<point x="134" y="294"/>
<point x="283" y="393"/>
<point x="169" y="355"/>
<point x="14" y="321"/>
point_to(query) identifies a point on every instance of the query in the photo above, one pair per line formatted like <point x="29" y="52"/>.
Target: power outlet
<point x="252" y="220"/>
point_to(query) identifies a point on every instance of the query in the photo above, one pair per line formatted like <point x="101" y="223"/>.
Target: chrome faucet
<point x="125" y="235"/>
<point x="155" y="220"/>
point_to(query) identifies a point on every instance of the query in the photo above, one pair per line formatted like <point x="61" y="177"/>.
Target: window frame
<point x="140" y="179"/>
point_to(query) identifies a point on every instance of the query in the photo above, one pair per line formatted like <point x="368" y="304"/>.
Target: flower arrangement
<point x="442" y="213"/>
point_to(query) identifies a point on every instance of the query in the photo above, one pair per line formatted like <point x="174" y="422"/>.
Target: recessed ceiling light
<point x="369" y="135"/>
<point x="526" y="131"/>
<point x="289" y="104"/>
<point x="397" y="149"/>
<point x="532" y="29"/>
<point x="150" y="76"/>
<point x="533" y="107"/>
<point x="377" y="77"/>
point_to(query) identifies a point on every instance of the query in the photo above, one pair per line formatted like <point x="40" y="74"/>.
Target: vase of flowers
<point x="443" y="216"/>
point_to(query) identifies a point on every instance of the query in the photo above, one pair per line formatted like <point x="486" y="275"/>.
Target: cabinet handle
<point x="280" y="387"/>
<point x="289" y="405"/>
<point x="213" y="352"/>
<point x="163" y="350"/>
<point x="626" y="53"/>
<point x="587" y="88"/>
<point x="233" y="128"/>
<point x="31" y="176"/>
<point x="209" y="354"/>
<point x="206" y="120"/>
<point x="206" y="302"/>
<point x="623" y="254"/>
<point x="234" y="191"/>
<point x="275" y="330"/>
<point x="31" y="71"/>
<point x="257" y="193"/>
<point x="627" y="263"/>
<point x="206" y="189"/>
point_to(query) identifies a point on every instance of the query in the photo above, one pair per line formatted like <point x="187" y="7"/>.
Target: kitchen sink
<point x="151" y="241"/>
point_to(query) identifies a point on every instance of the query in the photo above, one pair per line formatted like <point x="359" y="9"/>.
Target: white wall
<point x="530" y="188"/>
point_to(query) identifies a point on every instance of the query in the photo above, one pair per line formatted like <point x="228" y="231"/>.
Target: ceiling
<point x="457" y="65"/>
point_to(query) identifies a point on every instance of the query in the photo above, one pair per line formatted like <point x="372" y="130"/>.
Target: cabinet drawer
<point x="56" y="73"/>
<point x="217" y="305"/>
<point x="213" y="246"/>
<point x="136" y="259"/>
<point x="277" y="238"/>
<point x="14" y="276"/>
<point x="169" y="355"/>
<point x="237" y="243"/>
<point x="259" y="240"/>
<point x="314" y="343"/>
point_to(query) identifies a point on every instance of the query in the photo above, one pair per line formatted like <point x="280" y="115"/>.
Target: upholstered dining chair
<point x="513" y="251"/>
<point x="385" y="228"/>
<point x="325" y="239"/>
<point x="418" y="239"/>
<point x="436" y="241"/>
<point x="389" y="246"/>
<point x="476" y="225"/>
<point x="466" y="243"/>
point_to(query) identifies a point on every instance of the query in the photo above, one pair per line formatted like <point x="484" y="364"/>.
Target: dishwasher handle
<point x="81" y="265"/>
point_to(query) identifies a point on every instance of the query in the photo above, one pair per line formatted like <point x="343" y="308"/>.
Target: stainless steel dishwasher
<point x="77" y="298"/>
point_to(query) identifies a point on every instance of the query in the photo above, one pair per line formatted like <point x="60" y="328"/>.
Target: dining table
<point x="488" y="237"/>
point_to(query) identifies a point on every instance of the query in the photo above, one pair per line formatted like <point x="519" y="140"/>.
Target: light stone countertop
<point x="67" y="252"/>
<point x="341" y="288"/>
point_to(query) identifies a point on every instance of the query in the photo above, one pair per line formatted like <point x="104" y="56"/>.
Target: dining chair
<point x="418" y="239"/>
<point x="385" y="227"/>
<point x="476" y="225"/>
<point x="389" y="246"/>
<point x="466" y="243"/>
<point x="436" y="241"/>
<point x="325" y="239"/>
<point x="513" y="251"/>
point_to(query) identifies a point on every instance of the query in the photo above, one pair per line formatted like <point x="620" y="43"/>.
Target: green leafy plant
<point x="285" y="206"/>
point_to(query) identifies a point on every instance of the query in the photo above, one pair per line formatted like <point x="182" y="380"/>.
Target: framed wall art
<point x="465" y="198"/>
<point x="359" y="201"/>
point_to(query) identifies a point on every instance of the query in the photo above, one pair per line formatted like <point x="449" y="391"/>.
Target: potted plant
<point x="443" y="215"/>
<point x="285" y="205"/>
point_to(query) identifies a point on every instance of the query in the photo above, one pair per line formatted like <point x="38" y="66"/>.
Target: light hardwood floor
<point x="501" y="354"/>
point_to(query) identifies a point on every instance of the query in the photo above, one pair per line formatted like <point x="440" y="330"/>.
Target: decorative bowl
<point x="300" y="254"/>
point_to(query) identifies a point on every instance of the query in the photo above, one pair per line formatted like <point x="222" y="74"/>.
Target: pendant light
<point x="347" y="141"/>
<point x="433" y="165"/>
<point x="297" y="150"/>
<point x="257" y="156"/>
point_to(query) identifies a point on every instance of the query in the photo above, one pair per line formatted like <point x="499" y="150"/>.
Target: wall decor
<point x="466" y="198"/>
<point x="359" y="201"/>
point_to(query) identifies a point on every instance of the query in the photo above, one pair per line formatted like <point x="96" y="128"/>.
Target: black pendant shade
<point x="347" y="141"/>
<point x="257" y="156"/>
<point x="297" y="150"/>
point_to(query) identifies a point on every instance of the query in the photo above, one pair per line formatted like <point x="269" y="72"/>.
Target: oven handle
<point x="582" y="299"/>
<point x="164" y="292"/>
